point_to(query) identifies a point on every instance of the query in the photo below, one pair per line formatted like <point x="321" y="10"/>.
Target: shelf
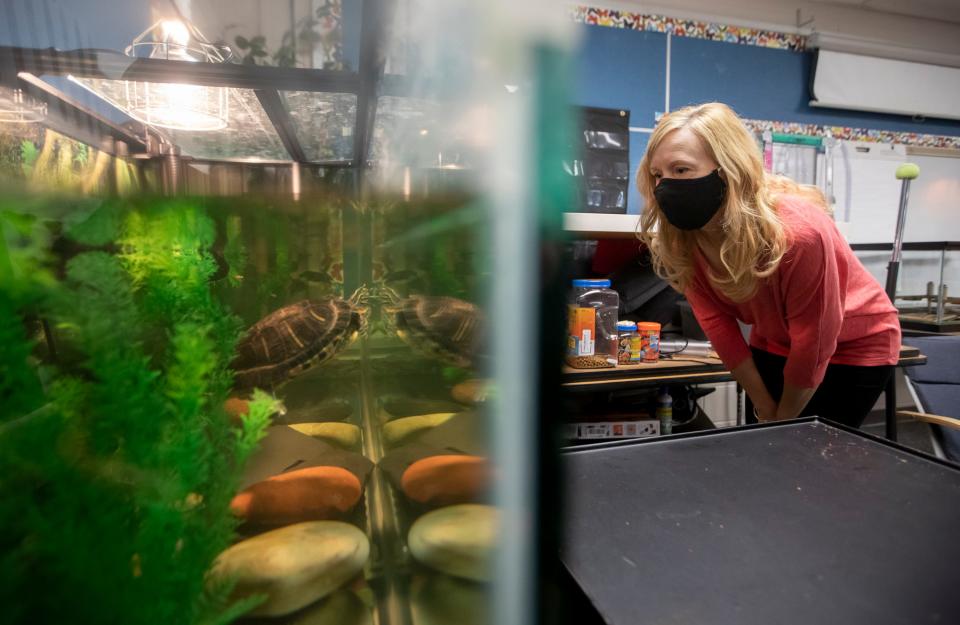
<point x="679" y="370"/>
<point x="601" y="226"/>
<point x="694" y="370"/>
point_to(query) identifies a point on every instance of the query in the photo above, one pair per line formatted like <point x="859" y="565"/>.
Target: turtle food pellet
<point x="588" y="362"/>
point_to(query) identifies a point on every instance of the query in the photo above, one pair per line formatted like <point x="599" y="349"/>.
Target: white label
<point x="586" y="344"/>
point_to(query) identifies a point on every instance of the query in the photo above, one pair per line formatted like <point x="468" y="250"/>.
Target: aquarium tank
<point x="277" y="287"/>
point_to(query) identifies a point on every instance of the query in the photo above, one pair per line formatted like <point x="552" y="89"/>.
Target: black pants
<point x="846" y="395"/>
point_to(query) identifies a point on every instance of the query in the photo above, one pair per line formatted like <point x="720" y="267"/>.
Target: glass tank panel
<point x="272" y="392"/>
<point x="320" y="34"/>
<point x="248" y="132"/>
<point x="324" y="123"/>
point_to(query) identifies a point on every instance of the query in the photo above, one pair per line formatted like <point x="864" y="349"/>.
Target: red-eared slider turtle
<point x="292" y="339"/>
<point x="446" y="328"/>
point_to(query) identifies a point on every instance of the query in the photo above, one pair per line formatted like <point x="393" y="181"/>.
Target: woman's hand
<point x="764" y="406"/>
<point x="765" y="412"/>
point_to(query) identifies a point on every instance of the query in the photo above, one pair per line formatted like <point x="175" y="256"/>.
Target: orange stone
<point x="311" y="494"/>
<point x="473" y="391"/>
<point x="445" y="480"/>
<point x="236" y="409"/>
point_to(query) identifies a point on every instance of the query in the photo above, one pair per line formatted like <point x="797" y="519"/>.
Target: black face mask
<point x="690" y="203"/>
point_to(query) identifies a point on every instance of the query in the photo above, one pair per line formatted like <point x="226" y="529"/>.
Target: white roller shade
<point x="866" y="83"/>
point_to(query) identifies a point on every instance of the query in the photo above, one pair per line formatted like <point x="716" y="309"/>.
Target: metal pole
<point x="906" y="172"/>
<point x="941" y="302"/>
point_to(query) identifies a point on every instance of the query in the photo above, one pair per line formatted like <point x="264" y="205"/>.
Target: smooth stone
<point x="447" y="479"/>
<point x="396" y="461"/>
<point x="293" y="566"/>
<point x="395" y="432"/>
<point x="439" y="599"/>
<point x="343" y="607"/>
<point x="457" y="540"/>
<point x="310" y="494"/>
<point x="473" y="391"/>
<point x="343" y="435"/>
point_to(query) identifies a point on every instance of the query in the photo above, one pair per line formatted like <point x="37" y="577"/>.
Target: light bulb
<point x="181" y="106"/>
<point x="175" y="31"/>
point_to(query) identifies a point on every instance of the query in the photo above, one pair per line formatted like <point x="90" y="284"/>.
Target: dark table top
<point x="798" y="522"/>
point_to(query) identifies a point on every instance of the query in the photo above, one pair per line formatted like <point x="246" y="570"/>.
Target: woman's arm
<point x="813" y="288"/>
<point x="719" y="324"/>
<point x="748" y="377"/>
<point x="793" y="400"/>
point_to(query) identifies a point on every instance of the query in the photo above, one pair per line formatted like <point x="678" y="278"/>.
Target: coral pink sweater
<point x="819" y="307"/>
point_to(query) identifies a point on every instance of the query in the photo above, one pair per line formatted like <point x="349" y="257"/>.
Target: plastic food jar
<point x="592" y="321"/>
<point x="627" y="331"/>
<point x="649" y="333"/>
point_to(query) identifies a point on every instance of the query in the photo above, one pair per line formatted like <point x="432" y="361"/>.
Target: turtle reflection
<point x="442" y="327"/>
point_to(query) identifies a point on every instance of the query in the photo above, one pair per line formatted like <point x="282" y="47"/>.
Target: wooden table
<point x="696" y="370"/>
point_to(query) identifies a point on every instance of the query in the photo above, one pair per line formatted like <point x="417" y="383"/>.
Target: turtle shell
<point x="442" y="327"/>
<point x="290" y="340"/>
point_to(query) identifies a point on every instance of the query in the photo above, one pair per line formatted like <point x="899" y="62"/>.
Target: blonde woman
<point x="744" y="245"/>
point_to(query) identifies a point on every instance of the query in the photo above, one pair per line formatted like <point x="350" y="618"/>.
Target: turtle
<point x="294" y="338"/>
<point x="442" y="327"/>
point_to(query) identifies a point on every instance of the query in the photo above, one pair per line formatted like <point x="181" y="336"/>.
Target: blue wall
<point x="626" y="69"/>
<point x="620" y="68"/>
<point x="70" y="24"/>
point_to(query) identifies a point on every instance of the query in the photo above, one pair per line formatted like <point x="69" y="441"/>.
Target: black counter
<point x="800" y="522"/>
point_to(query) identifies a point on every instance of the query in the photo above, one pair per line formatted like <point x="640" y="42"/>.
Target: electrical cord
<point x="686" y="343"/>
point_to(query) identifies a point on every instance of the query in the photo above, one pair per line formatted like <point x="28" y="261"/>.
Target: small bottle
<point x="665" y="411"/>
<point x="627" y="330"/>
<point x="649" y="334"/>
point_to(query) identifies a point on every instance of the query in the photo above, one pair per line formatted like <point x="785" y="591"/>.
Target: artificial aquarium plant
<point x="117" y="459"/>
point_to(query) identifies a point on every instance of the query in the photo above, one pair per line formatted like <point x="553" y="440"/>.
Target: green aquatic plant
<point x="28" y="156"/>
<point x="119" y="464"/>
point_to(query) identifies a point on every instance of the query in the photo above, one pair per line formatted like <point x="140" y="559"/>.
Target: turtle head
<point x="361" y="316"/>
<point x="360" y="301"/>
<point x="360" y="297"/>
<point x="387" y="296"/>
<point x="388" y="301"/>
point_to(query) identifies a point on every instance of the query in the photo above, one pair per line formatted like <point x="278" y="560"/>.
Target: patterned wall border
<point x="855" y="134"/>
<point x="754" y="37"/>
<point x="688" y="28"/>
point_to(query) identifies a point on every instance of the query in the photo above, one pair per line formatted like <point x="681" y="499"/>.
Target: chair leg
<point x="935" y="443"/>
<point x="934" y="440"/>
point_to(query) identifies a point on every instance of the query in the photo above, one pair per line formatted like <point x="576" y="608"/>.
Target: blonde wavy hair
<point x="749" y="208"/>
